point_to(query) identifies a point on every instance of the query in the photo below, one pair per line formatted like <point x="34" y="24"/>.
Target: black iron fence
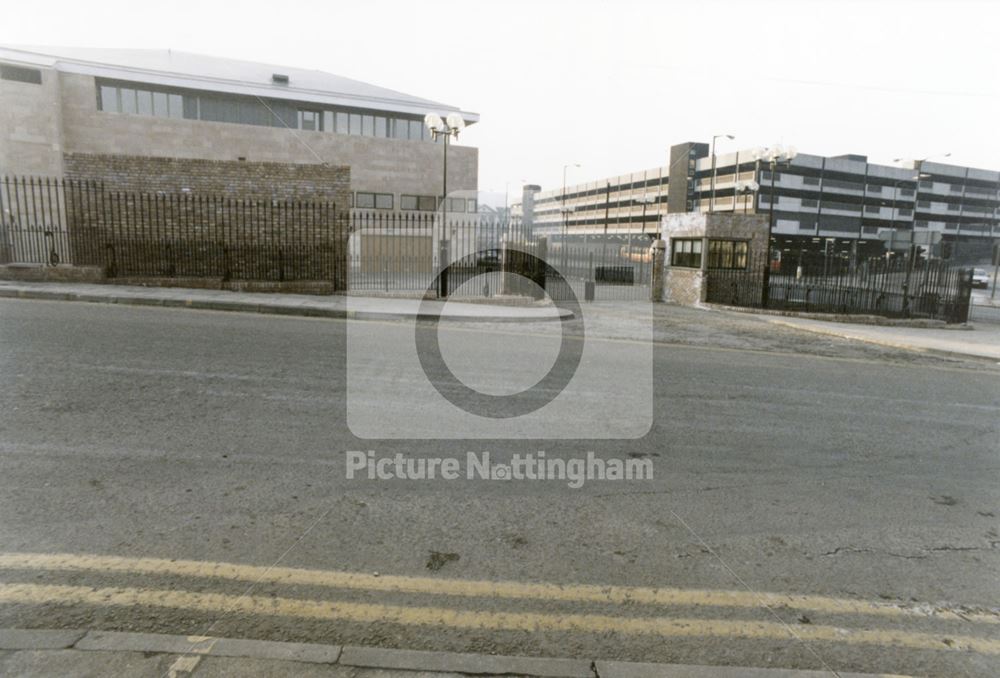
<point x="901" y="287"/>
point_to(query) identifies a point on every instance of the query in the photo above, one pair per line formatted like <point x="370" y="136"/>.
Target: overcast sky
<point x="611" y="85"/>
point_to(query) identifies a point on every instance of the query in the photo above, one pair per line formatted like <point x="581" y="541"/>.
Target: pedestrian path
<point x="980" y="340"/>
<point x="334" y="306"/>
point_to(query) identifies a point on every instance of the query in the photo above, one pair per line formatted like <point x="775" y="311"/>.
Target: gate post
<point x="445" y="261"/>
<point x="657" y="275"/>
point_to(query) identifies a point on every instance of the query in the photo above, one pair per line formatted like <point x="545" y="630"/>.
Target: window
<point x="355" y="123"/>
<point x="144" y="102"/>
<point x="342" y="123"/>
<point x="368" y="125"/>
<point x="926" y="184"/>
<point x="364" y="200"/>
<point x="31" y="76"/>
<point x="424" y="203"/>
<point x="905" y="212"/>
<point x="810" y="181"/>
<point x="311" y="121"/>
<point x="873" y="209"/>
<point x="381" y="126"/>
<point x="400" y="129"/>
<point x="952" y="207"/>
<point x="456" y="204"/>
<point x="874" y="189"/>
<point x="766" y="175"/>
<point x="473" y="205"/>
<point x="416" y="130"/>
<point x="686" y="252"/>
<point x="906" y="192"/>
<point x="383" y="201"/>
<point x="810" y="202"/>
<point x="731" y="254"/>
<point x="127" y="100"/>
<point x="923" y="203"/>
<point x="109" y="99"/>
<point x="160" y="106"/>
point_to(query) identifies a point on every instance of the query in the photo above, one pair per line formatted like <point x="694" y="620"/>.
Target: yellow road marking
<point x="493" y="621"/>
<point x="478" y="589"/>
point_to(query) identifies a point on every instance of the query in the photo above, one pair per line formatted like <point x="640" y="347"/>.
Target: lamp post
<point x="775" y="155"/>
<point x="449" y="127"/>
<point x="745" y="188"/>
<point x="565" y="221"/>
<point x="645" y="201"/>
<point x="918" y="165"/>
<point x="711" y="198"/>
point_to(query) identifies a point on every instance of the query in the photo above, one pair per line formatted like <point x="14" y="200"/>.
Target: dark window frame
<point x="686" y="252"/>
<point x="731" y="254"/>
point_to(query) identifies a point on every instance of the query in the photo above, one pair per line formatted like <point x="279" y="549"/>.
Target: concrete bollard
<point x="659" y="249"/>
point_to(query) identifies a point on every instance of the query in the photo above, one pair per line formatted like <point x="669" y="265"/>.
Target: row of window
<point x="117" y="97"/>
<point x="418" y="203"/>
<point x="724" y="254"/>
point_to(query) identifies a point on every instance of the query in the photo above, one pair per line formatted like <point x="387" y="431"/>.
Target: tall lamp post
<point x="448" y="128"/>
<point x="711" y="198"/>
<point x="775" y="155"/>
<point x="565" y="213"/>
<point x="745" y="188"/>
<point x="918" y="165"/>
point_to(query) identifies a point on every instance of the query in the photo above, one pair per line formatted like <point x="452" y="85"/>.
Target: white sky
<point x="611" y="85"/>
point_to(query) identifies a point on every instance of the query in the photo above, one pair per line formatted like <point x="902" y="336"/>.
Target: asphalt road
<point x="785" y="465"/>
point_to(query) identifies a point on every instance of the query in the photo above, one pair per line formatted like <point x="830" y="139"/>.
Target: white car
<point x="980" y="278"/>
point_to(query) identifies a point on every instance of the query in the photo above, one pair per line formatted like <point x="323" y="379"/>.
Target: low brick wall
<point x="144" y="217"/>
<point x="43" y="273"/>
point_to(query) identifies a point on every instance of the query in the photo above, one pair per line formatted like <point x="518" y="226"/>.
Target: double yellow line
<point x="485" y="620"/>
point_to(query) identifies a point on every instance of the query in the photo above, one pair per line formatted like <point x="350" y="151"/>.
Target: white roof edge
<point x="229" y="86"/>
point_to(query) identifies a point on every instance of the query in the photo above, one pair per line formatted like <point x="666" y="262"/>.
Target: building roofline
<point x="379" y="99"/>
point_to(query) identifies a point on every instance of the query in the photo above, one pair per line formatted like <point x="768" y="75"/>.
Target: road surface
<point x="834" y="507"/>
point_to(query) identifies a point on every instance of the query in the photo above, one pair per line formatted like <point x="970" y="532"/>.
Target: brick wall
<point x="175" y="218"/>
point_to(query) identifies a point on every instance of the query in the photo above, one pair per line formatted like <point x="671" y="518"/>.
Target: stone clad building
<point x="60" y="104"/>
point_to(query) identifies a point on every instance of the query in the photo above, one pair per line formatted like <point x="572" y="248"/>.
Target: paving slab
<point x="373" y="657"/>
<point x="121" y="641"/>
<point x="612" y="669"/>
<point x="38" y="639"/>
<point x="981" y="341"/>
<point x="265" y="649"/>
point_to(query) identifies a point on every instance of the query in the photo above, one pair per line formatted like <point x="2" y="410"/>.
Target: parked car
<point x="980" y="278"/>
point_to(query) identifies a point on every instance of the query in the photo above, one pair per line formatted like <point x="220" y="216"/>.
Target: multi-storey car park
<point x="842" y="204"/>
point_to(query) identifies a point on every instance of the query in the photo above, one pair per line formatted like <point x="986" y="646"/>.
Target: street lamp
<point x="449" y="127"/>
<point x="711" y="198"/>
<point x="565" y="228"/>
<point x="745" y="188"/>
<point x="774" y="155"/>
<point x="565" y="224"/>
<point x="918" y="165"/>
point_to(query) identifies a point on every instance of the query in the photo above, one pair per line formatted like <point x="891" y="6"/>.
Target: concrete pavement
<point x="607" y="319"/>
<point x="351" y="307"/>
<point x="981" y="340"/>
<point x="39" y="652"/>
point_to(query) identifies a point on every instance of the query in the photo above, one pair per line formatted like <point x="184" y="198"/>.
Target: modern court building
<point x="844" y="202"/>
<point x="65" y="109"/>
